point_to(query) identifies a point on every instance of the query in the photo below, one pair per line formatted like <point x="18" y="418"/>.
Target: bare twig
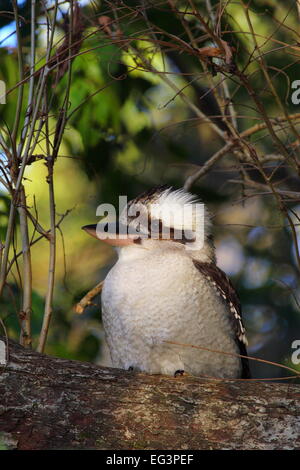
<point x="87" y="299"/>
<point x="25" y="314"/>
<point x="228" y="147"/>
<point x="60" y="126"/>
<point x="251" y="358"/>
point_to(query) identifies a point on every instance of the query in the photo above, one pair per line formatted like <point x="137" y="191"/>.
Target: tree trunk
<point x="52" y="403"/>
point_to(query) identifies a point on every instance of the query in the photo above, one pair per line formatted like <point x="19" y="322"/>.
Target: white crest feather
<point x="178" y="209"/>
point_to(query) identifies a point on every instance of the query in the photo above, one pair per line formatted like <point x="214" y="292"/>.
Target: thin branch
<point x="87" y="299"/>
<point x="60" y="127"/>
<point x="251" y="358"/>
<point x="25" y="315"/>
<point x="21" y="73"/>
<point x="224" y="150"/>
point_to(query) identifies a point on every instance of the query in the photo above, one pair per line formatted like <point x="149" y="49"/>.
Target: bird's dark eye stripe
<point x="131" y="217"/>
<point x="156" y="226"/>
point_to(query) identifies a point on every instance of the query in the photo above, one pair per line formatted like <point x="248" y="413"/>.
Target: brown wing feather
<point x="223" y="285"/>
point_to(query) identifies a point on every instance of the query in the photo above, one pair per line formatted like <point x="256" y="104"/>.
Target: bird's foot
<point x="180" y="373"/>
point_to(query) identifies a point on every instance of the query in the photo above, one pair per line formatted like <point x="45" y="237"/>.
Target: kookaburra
<point x="166" y="288"/>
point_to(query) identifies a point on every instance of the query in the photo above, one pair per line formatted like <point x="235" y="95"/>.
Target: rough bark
<point x="52" y="403"/>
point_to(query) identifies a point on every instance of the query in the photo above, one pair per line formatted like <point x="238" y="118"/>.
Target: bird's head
<point x="162" y="218"/>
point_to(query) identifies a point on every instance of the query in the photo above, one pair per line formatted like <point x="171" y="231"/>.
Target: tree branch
<point x="52" y="403"/>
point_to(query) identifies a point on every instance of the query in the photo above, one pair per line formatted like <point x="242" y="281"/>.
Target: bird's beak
<point x="119" y="238"/>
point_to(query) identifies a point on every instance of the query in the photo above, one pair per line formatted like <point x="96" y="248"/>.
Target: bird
<point x="167" y="308"/>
